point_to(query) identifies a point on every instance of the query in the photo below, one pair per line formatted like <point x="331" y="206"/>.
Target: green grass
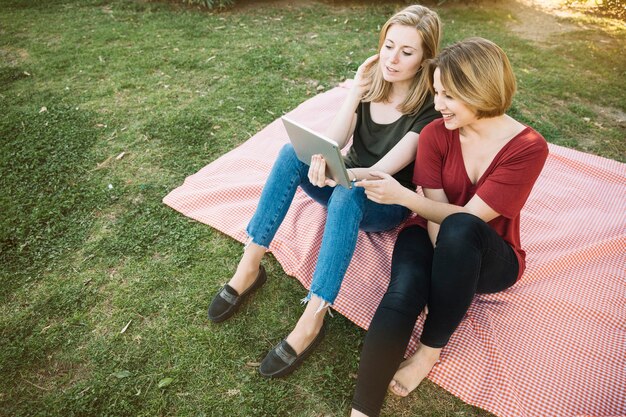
<point x="86" y="246"/>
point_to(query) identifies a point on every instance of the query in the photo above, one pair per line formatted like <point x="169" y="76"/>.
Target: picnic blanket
<point x="552" y="345"/>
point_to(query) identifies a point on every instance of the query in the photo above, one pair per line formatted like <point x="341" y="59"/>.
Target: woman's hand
<point x="317" y="172"/>
<point x="384" y="190"/>
<point x="360" y="82"/>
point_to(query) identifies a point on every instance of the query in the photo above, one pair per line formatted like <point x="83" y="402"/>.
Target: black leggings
<point x="470" y="258"/>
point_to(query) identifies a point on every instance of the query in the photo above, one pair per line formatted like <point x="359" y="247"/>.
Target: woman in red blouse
<point x="476" y="166"/>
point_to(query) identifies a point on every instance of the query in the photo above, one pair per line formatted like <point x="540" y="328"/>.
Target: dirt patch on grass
<point x="614" y="115"/>
<point x="538" y="20"/>
<point x="538" y="23"/>
<point x="13" y="57"/>
<point x="55" y="374"/>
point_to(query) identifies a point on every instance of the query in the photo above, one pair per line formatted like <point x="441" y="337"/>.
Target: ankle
<point x="428" y="352"/>
<point x="244" y="276"/>
<point x="303" y="333"/>
<point x="308" y="327"/>
<point x="247" y="269"/>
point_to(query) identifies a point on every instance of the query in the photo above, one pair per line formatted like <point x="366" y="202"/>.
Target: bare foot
<point x="413" y="370"/>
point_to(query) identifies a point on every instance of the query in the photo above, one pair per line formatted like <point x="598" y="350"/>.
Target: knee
<point x="347" y="196"/>
<point x="288" y="162"/>
<point x="459" y="229"/>
<point x="287" y="151"/>
<point x="407" y="291"/>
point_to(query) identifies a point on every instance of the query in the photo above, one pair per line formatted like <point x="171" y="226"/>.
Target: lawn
<point x="106" y="106"/>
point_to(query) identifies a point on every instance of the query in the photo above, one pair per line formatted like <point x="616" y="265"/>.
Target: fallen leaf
<point x="126" y="327"/>
<point x="122" y="374"/>
<point x="120" y="156"/>
<point x="43" y="109"/>
<point x="103" y="163"/>
<point x="165" y="382"/>
<point x="253" y="364"/>
<point x="232" y="392"/>
<point x="240" y="108"/>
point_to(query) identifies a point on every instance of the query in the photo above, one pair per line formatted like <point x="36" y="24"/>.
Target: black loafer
<point x="283" y="360"/>
<point x="228" y="300"/>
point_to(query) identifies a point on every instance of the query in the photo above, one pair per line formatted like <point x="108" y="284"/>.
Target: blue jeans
<point x="348" y="210"/>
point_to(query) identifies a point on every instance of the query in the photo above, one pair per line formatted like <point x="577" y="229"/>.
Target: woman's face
<point x="401" y="53"/>
<point x="455" y="113"/>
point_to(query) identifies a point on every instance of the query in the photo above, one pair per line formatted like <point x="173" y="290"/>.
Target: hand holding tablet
<point x="307" y="143"/>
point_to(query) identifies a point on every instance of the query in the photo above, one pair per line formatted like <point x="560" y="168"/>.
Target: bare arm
<point x="386" y="190"/>
<point x="436" y="211"/>
<point x="397" y="158"/>
<point x="402" y="154"/>
<point x="432" y="227"/>
<point x="342" y="126"/>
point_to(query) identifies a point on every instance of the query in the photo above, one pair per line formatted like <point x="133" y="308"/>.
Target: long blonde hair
<point x="427" y="23"/>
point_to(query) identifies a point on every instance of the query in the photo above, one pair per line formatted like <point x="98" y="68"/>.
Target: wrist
<point x="355" y="93"/>
<point x="408" y="197"/>
<point x="351" y="175"/>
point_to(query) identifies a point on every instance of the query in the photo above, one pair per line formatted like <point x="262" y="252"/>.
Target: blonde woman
<point x="384" y="112"/>
<point x="476" y="166"/>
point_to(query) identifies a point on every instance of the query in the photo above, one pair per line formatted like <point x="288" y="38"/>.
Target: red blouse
<point x="504" y="186"/>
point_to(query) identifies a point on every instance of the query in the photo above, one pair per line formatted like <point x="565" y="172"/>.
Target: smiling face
<point x="455" y="113"/>
<point x="401" y="54"/>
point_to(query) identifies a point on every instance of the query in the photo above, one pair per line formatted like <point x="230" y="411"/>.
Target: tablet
<point x="307" y="143"/>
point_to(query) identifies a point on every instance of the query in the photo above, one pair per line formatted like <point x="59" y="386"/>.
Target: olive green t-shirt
<point x="371" y="141"/>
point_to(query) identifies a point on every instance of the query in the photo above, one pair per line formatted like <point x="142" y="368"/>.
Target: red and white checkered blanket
<point x="552" y="345"/>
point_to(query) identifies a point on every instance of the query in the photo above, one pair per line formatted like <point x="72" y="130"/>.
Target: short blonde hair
<point x="477" y="72"/>
<point x="427" y="23"/>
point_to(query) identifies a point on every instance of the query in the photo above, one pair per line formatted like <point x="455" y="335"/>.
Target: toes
<point x="397" y="388"/>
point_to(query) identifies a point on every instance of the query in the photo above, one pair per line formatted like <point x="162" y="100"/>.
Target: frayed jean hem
<point x="323" y="303"/>
<point x="250" y="240"/>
